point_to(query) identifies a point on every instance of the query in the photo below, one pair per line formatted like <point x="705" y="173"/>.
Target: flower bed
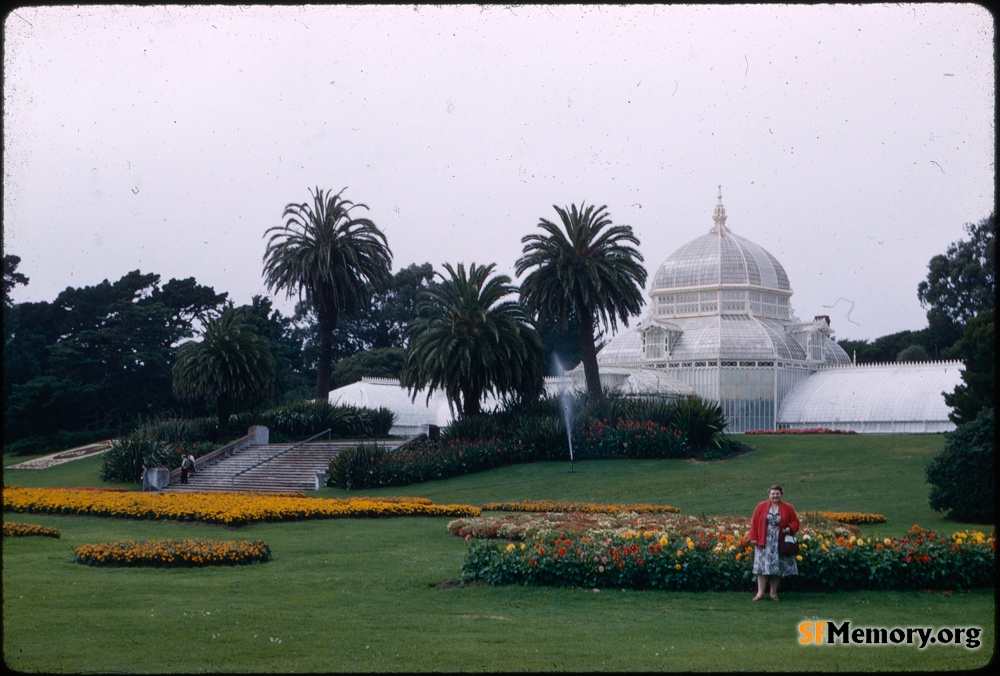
<point x="691" y="554"/>
<point x="578" y="524"/>
<point x="583" y="507"/>
<point x="20" y="530"/>
<point x="629" y="439"/>
<point x="173" y="553"/>
<point x="858" y="518"/>
<point x="229" y="508"/>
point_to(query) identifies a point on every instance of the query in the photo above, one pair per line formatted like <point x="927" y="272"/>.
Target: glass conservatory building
<point x="721" y="325"/>
<point x="721" y="321"/>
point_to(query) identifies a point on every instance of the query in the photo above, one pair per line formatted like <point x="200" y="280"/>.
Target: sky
<point x="853" y="142"/>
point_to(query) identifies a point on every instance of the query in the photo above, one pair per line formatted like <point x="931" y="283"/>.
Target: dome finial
<point x="719" y="216"/>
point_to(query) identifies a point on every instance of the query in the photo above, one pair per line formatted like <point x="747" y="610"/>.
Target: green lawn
<point x="374" y="595"/>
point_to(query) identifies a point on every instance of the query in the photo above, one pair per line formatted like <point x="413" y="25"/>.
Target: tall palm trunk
<point x="325" y="366"/>
<point x="588" y="355"/>
<point x="224" y="411"/>
<point x="471" y="397"/>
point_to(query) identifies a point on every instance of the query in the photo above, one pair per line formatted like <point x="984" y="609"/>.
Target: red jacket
<point x="787" y="518"/>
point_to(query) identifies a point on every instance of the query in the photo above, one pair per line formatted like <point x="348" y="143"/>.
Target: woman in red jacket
<point x="772" y="519"/>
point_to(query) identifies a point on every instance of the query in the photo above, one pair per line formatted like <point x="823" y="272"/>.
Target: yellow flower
<point x="677" y="566"/>
<point x="511" y="547"/>
<point x="798" y="557"/>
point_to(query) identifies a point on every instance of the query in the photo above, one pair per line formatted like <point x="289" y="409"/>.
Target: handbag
<point x="788" y="545"/>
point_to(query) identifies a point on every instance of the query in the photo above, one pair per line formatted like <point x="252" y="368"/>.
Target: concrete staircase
<point x="271" y="467"/>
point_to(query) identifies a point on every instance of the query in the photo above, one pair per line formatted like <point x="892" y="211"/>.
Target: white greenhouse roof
<point x="642" y="382"/>
<point x="410" y="413"/>
<point x="895" y="397"/>
<point x="719" y="337"/>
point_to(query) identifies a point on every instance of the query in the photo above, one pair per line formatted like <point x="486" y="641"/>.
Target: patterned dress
<point x="766" y="560"/>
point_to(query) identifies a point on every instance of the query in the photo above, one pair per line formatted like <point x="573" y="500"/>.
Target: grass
<point x="374" y="595"/>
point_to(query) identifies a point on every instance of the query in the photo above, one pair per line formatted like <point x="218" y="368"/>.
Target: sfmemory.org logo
<point x="828" y="632"/>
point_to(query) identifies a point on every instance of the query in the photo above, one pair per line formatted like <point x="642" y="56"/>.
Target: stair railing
<point x="218" y="454"/>
<point x="232" y="479"/>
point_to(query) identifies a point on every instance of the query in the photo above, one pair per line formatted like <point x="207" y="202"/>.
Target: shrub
<point x="723" y="446"/>
<point x="357" y="467"/>
<point x="366" y="467"/>
<point x="659" y="410"/>
<point x="195" y="448"/>
<point x="700" y="420"/>
<point x="306" y="418"/>
<point x="382" y="420"/>
<point x="542" y="437"/>
<point x="241" y="422"/>
<point x="301" y="419"/>
<point x="610" y="409"/>
<point x="475" y="428"/>
<point x="962" y="475"/>
<point x="125" y="457"/>
<point x="177" y="430"/>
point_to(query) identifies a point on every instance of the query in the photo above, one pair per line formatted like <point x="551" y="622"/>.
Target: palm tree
<point x="587" y="269"/>
<point x="467" y="340"/>
<point x="332" y="259"/>
<point x="230" y="361"/>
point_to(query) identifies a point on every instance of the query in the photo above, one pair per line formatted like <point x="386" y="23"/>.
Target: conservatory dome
<point x="721" y="273"/>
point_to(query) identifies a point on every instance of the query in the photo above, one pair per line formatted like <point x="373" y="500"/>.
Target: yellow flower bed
<point x="229" y="508"/>
<point x="27" y="530"/>
<point x="173" y="553"/>
<point x="583" y="507"/>
<point x="856" y="518"/>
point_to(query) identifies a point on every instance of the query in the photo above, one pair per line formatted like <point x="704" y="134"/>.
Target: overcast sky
<point x="853" y="142"/>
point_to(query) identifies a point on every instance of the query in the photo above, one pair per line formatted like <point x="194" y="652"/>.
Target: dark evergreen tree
<point x="978" y="389"/>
